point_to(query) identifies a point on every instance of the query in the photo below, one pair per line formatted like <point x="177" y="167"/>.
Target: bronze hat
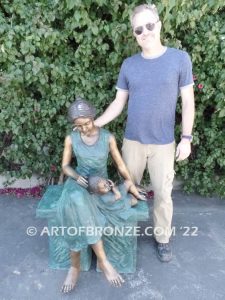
<point x="81" y="108"/>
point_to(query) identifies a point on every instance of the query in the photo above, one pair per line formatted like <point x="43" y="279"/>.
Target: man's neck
<point x="155" y="50"/>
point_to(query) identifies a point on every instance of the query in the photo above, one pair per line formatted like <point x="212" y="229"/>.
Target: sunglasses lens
<point x="150" y="26"/>
<point x="138" y="30"/>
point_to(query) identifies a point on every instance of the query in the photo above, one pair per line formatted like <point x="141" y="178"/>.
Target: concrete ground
<point x="197" y="270"/>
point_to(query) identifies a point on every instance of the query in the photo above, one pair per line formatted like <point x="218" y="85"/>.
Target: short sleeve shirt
<point x="154" y="85"/>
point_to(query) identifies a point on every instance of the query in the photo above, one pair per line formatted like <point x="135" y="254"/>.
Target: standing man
<point x="152" y="80"/>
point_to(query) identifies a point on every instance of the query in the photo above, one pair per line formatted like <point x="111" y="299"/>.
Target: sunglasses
<point x="150" y="26"/>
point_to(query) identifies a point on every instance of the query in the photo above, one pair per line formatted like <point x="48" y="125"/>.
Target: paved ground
<point x="197" y="270"/>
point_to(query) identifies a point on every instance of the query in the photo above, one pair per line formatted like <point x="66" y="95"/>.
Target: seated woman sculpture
<point x="76" y="206"/>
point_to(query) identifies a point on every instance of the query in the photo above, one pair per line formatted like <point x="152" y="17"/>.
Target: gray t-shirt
<point x="153" y="85"/>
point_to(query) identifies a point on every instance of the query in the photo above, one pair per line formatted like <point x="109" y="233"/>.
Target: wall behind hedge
<point x="52" y="51"/>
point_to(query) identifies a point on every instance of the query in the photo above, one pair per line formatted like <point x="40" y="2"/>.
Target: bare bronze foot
<point x="70" y="280"/>
<point x="110" y="273"/>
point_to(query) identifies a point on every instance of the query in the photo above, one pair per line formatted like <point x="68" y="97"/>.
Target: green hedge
<point x="52" y="51"/>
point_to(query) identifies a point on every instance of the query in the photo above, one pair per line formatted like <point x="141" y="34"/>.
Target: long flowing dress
<point x="76" y="208"/>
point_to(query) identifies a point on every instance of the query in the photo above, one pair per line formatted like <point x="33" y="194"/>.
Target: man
<point x="152" y="80"/>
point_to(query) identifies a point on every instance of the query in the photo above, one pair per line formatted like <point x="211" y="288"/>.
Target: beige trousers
<point x="160" y="162"/>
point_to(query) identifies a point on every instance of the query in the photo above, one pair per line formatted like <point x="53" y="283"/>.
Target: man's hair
<point x="141" y="8"/>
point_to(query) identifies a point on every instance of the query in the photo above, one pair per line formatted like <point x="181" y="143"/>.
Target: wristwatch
<point x="187" y="137"/>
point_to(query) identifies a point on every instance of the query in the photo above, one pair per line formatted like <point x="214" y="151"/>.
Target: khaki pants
<point x="160" y="162"/>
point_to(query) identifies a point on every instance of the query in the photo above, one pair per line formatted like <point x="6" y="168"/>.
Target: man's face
<point x="147" y="38"/>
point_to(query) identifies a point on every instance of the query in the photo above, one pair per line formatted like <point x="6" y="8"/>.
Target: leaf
<point x="222" y="113"/>
<point x="70" y="4"/>
<point x="94" y="29"/>
<point x="77" y="15"/>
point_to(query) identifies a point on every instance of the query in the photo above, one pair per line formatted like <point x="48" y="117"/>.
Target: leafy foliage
<point x="52" y="51"/>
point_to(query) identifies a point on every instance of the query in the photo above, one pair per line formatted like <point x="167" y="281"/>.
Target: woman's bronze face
<point x="84" y="125"/>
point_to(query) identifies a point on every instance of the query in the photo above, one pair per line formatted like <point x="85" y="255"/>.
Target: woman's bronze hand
<point x="81" y="180"/>
<point x="141" y="194"/>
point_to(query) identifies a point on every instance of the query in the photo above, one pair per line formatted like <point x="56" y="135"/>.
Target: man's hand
<point x="183" y="150"/>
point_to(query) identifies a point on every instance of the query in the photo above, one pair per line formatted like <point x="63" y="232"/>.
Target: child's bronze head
<point x="99" y="185"/>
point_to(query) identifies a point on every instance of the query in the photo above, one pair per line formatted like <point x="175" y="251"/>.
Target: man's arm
<point x="114" y="109"/>
<point x="188" y="112"/>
